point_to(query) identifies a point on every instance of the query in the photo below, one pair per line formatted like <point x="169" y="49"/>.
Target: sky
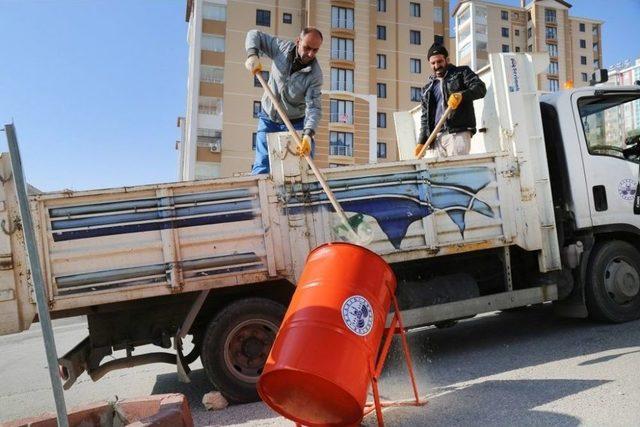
<point x="94" y="87"/>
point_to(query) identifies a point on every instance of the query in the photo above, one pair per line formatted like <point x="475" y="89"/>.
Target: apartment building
<point x="624" y="120"/>
<point x="373" y="59"/>
<point x="574" y="44"/>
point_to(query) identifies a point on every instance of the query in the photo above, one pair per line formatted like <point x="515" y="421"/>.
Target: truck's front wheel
<point x="613" y="282"/>
<point x="236" y="345"/>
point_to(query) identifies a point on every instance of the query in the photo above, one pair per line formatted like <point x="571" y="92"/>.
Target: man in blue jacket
<point x="455" y="136"/>
<point x="295" y="79"/>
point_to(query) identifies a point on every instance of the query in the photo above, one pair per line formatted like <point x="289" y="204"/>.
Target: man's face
<point x="308" y="47"/>
<point x="438" y="64"/>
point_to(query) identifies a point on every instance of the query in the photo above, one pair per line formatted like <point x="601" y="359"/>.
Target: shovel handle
<point x="307" y="157"/>
<point x="434" y="133"/>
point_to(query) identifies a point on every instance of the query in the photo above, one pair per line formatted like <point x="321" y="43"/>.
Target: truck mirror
<point x="599" y="76"/>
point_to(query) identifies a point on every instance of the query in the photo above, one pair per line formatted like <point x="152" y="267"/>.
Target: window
<point x="263" y="17"/>
<point x="553" y="67"/>
<point x="505" y="48"/>
<point x="210" y="74"/>
<point x="341" y="111"/>
<point x="382" y="5"/>
<point x="516" y="33"/>
<point x="554" y="85"/>
<point x="416" y="94"/>
<point x="381" y="32"/>
<point x="414" y="37"/>
<point x="415" y="65"/>
<point x="517" y="48"/>
<point x="596" y="63"/>
<point x="583" y="60"/>
<point x="530" y="48"/>
<point x="437" y="14"/>
<point x="553" y="50"/>
<point x="551" y="32"/>
<point x="208" y="137"/>
<point x="584" y="77"/>
<point x="505" y="32"/>
<point x="582" y="27"/>
<point x="212" y="43"/>
<point x="606" y="124"/>
<point x="382" y="120"/>
<point x="287" y="18"/>
<point x="595" y="48"/>
<point x="414" y="9"/>
<point x="382" y="61"/>
<point x="515" y="15"/>
<point x="341" y="17"/>
<point x="528" y="16"/>
<point x="265" y="76"/>
<point x="254" y="137"/>
<point x="342" y="79"/>
<point x="504" y="15"/>
<point x="382" y="90"/>
<point x="341" y="143"/>
<point x="594" y="30"/>
<point x="209" y="105"/>
<point x="550" y="15"/>
<point x="583" y="43"/>
<point x="529" y="32"/>
<point x="257" y="106"/>
<point x="438" y="39"/>
<point x="341" y="49"/>
<point x="382" y="150"/>
<point x="215" y="12"/>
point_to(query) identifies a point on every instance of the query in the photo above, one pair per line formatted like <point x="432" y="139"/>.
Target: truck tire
<point x="236" y="344"/>
<point x="613" y="282"/>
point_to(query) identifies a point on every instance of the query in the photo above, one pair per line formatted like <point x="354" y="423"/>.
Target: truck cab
<point x="592" y="137"/>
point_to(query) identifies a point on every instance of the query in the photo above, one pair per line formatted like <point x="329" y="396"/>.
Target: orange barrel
<point x="318" y="370"/>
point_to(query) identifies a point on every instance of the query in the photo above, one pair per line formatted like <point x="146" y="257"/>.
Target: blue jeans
<point x="265" y="126"/>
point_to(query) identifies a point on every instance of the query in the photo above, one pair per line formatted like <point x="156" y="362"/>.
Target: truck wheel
<point x="613" y="282"/>
<point x="236" y="345"/>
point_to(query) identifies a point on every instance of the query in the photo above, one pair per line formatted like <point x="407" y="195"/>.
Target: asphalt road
<point x="524" y="368"/>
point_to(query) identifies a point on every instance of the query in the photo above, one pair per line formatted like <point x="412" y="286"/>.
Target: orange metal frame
<point x="396" y="327"/>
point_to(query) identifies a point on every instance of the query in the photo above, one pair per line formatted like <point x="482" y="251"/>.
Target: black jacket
<point x="456" y="79"/>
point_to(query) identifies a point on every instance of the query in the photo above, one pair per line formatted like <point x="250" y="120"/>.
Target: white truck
<point x="541" y="210"/>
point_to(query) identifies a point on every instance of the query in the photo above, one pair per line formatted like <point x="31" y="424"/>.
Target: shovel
<point x="348" y="225"/>
<point x="454" y="101"/>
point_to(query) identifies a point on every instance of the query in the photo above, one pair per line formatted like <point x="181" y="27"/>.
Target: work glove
<point x="253" y="64"/>
<point x="418" y="149"/>
<point x="304" y="147"/>
<point x="454" y="100"/>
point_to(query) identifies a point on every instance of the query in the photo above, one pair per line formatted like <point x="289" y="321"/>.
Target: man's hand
<point x="418" y="149"/>
<point x="454" y="100"/>
<point x="304" y="147"/>
<point x="253" y="64"/>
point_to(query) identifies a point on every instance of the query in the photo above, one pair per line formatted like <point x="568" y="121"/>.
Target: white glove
<point x="253" y="64"/>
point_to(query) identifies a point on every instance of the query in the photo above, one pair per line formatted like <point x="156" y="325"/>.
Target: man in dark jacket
<point x="455" y="136"/>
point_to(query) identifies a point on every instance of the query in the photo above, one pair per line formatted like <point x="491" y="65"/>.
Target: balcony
<point x="341" y="118"/>
<point x="341" y="150"/>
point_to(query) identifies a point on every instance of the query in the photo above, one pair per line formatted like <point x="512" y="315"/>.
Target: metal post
<point x="36" y="275"/>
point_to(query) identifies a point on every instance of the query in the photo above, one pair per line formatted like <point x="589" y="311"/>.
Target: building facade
<point x="623" y="121"/>
<point x="373" y="60"/>
<point x="574" y="44"/>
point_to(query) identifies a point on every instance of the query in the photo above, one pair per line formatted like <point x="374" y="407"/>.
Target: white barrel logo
<point x="357" y="315"/>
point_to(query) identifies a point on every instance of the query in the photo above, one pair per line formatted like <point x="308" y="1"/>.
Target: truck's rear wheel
<point x="236" y="345"/>
<point x="613" y="282"/>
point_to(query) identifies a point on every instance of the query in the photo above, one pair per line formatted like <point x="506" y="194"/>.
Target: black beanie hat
<point x="437" y="49"/>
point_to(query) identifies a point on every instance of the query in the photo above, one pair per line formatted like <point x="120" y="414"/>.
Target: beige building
<point x="574" y="44"/>
<point x="373" y="60"/>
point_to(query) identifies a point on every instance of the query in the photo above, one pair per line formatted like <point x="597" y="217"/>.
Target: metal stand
<point x="36" y="275"/>
<point x="396" y="327"/>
